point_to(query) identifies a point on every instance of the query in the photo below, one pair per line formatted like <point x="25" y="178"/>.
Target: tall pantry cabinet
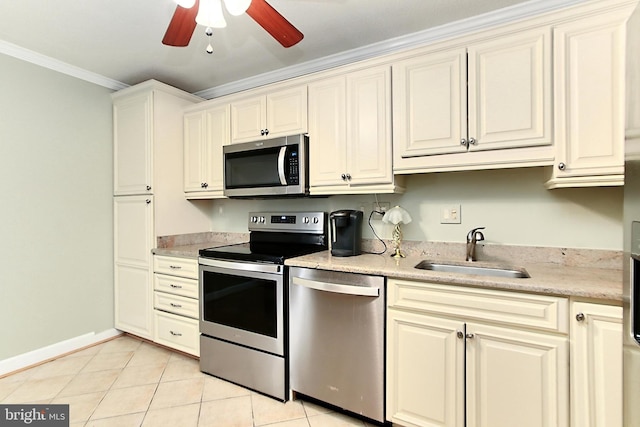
<point x="148" y="193"/>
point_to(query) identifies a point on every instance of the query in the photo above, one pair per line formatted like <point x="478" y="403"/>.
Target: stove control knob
<point x="305" y="220"/>
<point x="262" y="220"/>
<point x="315" y="220"/>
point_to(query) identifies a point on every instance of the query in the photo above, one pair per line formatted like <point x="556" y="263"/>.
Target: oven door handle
<point x="360" y="291"/>
<point x="242" y="266"/>
<point x="281" y="157"/>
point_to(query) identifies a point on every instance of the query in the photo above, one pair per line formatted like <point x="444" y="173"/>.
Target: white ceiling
<point x="121" y="39"/>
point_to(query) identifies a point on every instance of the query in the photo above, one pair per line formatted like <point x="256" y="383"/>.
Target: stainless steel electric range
<point x="244" y="300"/>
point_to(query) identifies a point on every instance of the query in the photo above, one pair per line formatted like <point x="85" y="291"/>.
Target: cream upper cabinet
<point x="596" y="365"/>
<point x="133" y="148"/>
<point x="494" y="358"/>
<point x="490" y="95"/>
<point x="205" y="133"/>
<point x="281" y="112"/>
<point x="350" y="133"/>
<point x="589" y="101"/>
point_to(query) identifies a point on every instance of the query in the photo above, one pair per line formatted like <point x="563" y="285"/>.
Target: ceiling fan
<point x="185" y="19"/>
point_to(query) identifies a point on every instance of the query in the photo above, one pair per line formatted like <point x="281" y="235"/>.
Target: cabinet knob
<point x="148" y="188"/>
<point x="205" y="185"/>
<point x="348" y="177"/>
<point x="463" y="141"/>
<point x="470" y="336"/>
<point x="562" y="166"/>
<point x="580" y="317"/>
<point x="460" y="334"/>
<point x="473" y="141"/>
<point x="262" y="132"/>
<point x="148" y="201"/>
<point x="344" y="177"/>
<point x="266" y="131"/>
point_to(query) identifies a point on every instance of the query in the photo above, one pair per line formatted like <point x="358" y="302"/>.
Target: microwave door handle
<point x="281" y="156"/>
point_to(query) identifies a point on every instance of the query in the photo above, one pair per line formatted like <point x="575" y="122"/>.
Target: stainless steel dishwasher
<point x="336" y="337"/>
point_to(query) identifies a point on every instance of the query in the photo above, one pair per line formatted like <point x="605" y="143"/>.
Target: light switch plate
<point x="450" y="214"/>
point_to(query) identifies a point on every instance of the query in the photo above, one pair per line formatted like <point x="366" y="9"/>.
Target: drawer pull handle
<point x="175" y="267"/>
<point x="176" y="334"/>
<point x="175" y="286"/>
<point x="175" y="305"/>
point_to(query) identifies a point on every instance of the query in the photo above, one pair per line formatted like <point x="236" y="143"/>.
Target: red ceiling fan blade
<point x="181" y="26"/>
<point x="274" y="23"/>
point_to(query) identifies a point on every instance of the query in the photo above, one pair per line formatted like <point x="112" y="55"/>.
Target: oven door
<point x="243" y="303"/>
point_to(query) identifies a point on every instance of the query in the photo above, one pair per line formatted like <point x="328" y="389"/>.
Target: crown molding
<point x="529" y="9"/>
<point x="454" y="29"/>
<point x="18" y="52"/>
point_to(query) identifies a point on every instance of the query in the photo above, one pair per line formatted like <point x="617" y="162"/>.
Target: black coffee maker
<point x="346" y="232"/>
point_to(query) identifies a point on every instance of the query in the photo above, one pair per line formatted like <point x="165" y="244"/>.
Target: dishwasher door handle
<point x="360" y="291"/>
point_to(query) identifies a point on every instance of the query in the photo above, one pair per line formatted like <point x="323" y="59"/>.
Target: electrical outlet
<point x="380" y="207"/>
<point x="450" y="214"/>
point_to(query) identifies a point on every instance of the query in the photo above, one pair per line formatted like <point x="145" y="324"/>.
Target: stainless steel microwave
<point x="271" y="167"/>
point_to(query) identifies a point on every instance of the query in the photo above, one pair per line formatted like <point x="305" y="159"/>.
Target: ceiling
<point x="121" y="39"/>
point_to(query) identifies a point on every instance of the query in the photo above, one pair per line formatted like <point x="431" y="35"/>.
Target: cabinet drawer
<point x="183" y="267"/>
<point x="176" y="304"/>
<point x="505" y="307"/>
<point x="177" y="332"/>
<point x="176" y="285"/>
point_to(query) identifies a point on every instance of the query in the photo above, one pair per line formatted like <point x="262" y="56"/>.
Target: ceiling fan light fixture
<point x="187" y="4"/>
<point x="210" y="14"/>
<point x="237" y="7"/>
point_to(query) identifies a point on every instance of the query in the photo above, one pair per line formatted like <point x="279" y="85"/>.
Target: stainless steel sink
<point x="497" y="271"/>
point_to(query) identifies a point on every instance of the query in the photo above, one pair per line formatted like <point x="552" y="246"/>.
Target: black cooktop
<point x="272" y="253"/>
<point x="276" y="236"/>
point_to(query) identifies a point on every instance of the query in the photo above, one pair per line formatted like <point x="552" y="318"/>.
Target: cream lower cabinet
<point x="133" y="240"/>
<point x="175" y="302"/>
<point x="492" y="358"/>
<point x="205" y="133"/>
<point x="589" y="67"/>
<point x="596" y="365"/>
<point x="350" y="133"/>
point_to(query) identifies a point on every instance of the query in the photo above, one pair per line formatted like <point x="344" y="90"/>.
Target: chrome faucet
<point x="473" y="237"/>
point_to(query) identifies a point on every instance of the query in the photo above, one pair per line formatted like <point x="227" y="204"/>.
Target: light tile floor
<point x="131" y="382"/>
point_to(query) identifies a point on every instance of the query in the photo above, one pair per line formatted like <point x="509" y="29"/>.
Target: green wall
<point x="56" y="274"/>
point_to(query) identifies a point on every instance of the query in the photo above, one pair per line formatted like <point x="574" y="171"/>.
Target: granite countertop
<point x="549" y="279"/>
<point x="186" y="251"/>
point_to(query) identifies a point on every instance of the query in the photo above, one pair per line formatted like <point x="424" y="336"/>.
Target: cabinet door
<point x="425" y="370"/>
<point x="286" y="112"/>
<point x="133" y="230"/>
<point x="430" y="104"/>
<point x="369" y="126"/>
<point x="327" y="132"/>
<point x="516" y="378"/>
<point x="132" y="145"/>
<point x="133" y="225"/>
<point x="217" y="136"/>
<point x="596" y="365"/>
<point x="248" y="119"/>
<point x="589" y="97"/>
<point x="510" y="91"/>
<point x="194" y="152"/>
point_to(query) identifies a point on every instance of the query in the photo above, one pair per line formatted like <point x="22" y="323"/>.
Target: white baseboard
<point x="52" y="351"/>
